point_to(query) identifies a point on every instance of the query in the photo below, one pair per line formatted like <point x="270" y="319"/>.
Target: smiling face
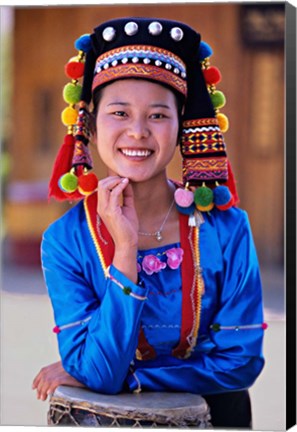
<point x="137" y="128"/>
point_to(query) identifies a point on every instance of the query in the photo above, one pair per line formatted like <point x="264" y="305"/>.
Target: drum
<point x="74" y="406"/>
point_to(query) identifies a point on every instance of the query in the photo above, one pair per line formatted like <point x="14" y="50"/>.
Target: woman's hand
<point x="50" y="377"/>
<point x="116" y="209"/>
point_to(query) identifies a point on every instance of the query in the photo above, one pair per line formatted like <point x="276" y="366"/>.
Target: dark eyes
<point x="156" y="116"/>
<point x="120" y="113"/>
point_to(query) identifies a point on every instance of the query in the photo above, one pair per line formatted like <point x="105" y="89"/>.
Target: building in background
<point x="248" y="45"/>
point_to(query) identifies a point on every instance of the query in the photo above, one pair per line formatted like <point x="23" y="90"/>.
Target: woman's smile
<point x="135" y="154"/>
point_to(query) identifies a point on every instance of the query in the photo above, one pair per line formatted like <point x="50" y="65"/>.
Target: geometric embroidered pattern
<point x="204" y="151"/>
<point x="141" y="53"/>
<point x="141" y="71"/>
<point x="208" y="170"/>
<point x="81" y="155"/>
<point x="201" y="140"/>
<point x="138" y="61"/>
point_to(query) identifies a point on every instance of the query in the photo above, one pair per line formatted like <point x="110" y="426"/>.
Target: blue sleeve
<point x="97" y="334"/>
<point x="234" y="359"/>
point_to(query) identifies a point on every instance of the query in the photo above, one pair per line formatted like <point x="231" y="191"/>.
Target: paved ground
<point x="27" y="343"/>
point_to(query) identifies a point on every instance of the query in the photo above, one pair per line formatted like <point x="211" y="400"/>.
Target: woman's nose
<point x="138" y="129"/>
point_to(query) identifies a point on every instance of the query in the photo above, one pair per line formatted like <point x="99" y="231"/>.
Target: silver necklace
<point x="158" y="234"/>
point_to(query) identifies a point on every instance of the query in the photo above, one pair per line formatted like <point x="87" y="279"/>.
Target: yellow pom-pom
<point x="223" y="122"/>
<point x="69" y="116"/>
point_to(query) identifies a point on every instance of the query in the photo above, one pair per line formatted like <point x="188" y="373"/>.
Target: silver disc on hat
<point x="177" y="34"/>
<point x="155" y="28"/>
<point x="108" y="34"/>
<point x="131" y="28"/>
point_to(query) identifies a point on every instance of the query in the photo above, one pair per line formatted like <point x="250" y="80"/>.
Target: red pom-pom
<point x="74" y="70"/>
<point x="56" y="329"/>
<point x="61" y="166"/>
<point x="212" y="75"/>
<point x="87" y="183"/>
<point x="264" y="326"/>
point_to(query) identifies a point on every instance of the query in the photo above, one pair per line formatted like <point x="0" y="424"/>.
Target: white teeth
<point x="140" y="153"/>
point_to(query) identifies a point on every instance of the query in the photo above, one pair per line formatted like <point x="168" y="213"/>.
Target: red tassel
<point x="231" y="184"/>
<point x="61" y="166"/>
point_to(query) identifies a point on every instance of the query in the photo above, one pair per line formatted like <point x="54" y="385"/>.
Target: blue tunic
<point x="99" y="325"/>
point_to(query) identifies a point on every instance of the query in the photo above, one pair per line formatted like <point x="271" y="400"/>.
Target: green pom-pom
<point x="218" y="99"/>
<point x="68" y="183"/>
<point x="203" y="196"/>
<point x="72" y="93"/>
<point x="216" y="327"/>
<point x="127" y="290"/>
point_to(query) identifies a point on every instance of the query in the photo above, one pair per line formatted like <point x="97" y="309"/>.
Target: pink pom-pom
<point x="264" y="326"/>
<point x="56" y="329"/>
<point x="183" y="197"/>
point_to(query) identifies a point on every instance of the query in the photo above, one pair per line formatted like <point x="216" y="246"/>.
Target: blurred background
<point x="36" y="43"/>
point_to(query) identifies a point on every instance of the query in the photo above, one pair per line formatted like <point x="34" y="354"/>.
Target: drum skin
<point x="80" y="407"/>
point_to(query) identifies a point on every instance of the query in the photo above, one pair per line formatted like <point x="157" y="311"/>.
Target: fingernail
<point x="125" y="180"/>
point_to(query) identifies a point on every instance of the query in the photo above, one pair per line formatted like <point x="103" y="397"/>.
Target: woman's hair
<point x="179" y="98"/>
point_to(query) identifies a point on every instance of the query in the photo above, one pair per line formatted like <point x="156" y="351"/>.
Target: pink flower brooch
<point x="152" y="264"/>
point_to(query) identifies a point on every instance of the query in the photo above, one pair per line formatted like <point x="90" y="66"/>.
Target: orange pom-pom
<point x="223" y="122"/>
<point x="212" y="75"/>
<point x="205" y="208"/>
<point x="87" y="183"/>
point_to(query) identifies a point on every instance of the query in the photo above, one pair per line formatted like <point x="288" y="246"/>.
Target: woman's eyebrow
<point x="118" y="103"/>
<point x="153" y="105"/>
<point x="159" y="105"/>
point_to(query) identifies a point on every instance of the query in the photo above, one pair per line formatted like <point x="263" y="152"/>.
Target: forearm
<point x="98" y="350"/>
<point x="208" y="374"/>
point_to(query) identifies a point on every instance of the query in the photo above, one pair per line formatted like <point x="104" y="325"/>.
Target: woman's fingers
<point x="116" y="193"/>
<point x="110" y="187"/>
<point x="50" y="377"/>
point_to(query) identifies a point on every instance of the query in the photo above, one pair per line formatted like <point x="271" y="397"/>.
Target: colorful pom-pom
<point x="223" y="122"/>
<point x="183" y="197"/>
<point x="203" y="196"/>
<point x="72" y="93"/>
<point x="218" y="99"/>
<point x="68" y="182"/>
<point x="74" y="69"/>
<point x="69" y="116"/>
<point x="87" y="183"/>
<point x="127" y="290"/>
<point x="56" y="329"/>
<point x="264" y="326"/>
<point x="83" y="43"/>
<point x="204" y="51"/>
<point x="212" y="75"/>
<point x="186" y="210"/>
<point x="221" y="195"/>
<point x="216" y="327"/>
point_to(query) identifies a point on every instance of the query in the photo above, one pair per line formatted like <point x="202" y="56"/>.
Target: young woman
<point x="155" y="284"/>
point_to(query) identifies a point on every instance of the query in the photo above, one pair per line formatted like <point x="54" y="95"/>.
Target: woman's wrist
<point x="125" y="260"/>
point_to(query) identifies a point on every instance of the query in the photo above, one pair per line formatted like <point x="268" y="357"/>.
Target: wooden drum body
<point x="81" y="407"/>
